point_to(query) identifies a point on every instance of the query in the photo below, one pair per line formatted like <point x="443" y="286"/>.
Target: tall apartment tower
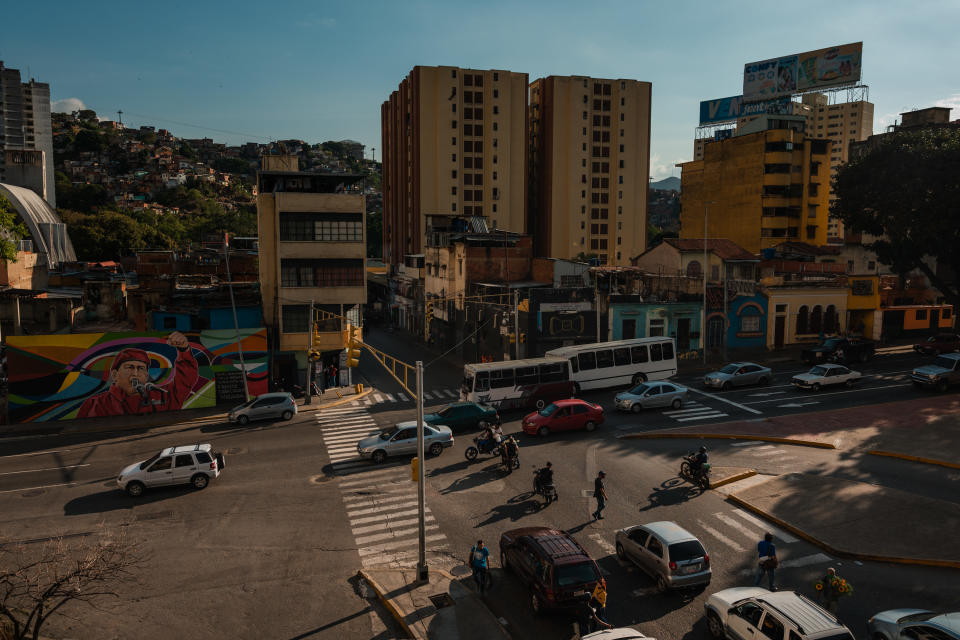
<point x="589" y="167"/>
<point x="25" y="126"/>
<point x="454" y="155"/>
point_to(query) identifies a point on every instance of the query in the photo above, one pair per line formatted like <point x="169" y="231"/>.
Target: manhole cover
<point x="33" y="493"/>
<point x="156" y="515"/>
<point x="441" y="600"/>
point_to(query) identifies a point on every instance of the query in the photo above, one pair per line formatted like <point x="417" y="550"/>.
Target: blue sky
<point x="242" y="71"/>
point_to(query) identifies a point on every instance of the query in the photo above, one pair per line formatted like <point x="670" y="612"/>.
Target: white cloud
<point x="953" y="102"/>
<point x="880" y="123"/>
<point x="67" y="105"/>
<point x="660" y="169"/>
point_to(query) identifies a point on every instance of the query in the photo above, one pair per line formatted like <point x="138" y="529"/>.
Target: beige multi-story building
<point x="312" y="254"/>
<point x="589" y="167"/>
<point x="25" y="125"/>
<point x="454" y="154"/>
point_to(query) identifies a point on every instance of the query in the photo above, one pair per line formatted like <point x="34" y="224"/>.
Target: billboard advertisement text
<point x="735" y="107"/>
<point x="89" y="375"/>
<point x="802" y="72"/>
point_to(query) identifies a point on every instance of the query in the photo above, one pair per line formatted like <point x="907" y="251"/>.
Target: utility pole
<point x="233" y="305"/>
<point x="516" y="321"/>
<point x="423" y="574"/>
<point x="313" y="321"/>
<point x="726" y="323"/>
<point x="703" y="325"/>
<point x="596" y="300"/>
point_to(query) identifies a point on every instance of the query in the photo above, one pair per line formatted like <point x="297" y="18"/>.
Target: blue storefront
<point x="746" y="326"/>
<point x="631" y="317"/>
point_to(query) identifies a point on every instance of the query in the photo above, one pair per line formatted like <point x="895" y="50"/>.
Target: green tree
<point x="12" y="231"/>
<point x="107" y="235"/>
<point x="374" y="234"/>
<point x="905" y="194"/>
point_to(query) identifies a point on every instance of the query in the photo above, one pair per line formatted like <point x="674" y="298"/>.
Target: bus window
<point x="556" y="372"/>
<point x="574" y="365"/>
<point x="587" y="361"/>
<point x="604" y="359"/>
<point x="621" y="356"/>
<point x="668" y="351"/>
<point x="483" y="381"/>
<point x="527" y="375"/>
<point x="501" y="378"/>
<point x="655" y="352"/>
<point x="639" y="354"/>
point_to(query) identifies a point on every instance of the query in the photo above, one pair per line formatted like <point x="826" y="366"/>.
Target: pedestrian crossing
<point x="380" y="500"/>
<point x="692" y="411"/>
<point x="433" y="396"/>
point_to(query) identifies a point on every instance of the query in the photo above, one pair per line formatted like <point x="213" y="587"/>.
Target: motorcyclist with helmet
<point x="697" y="461"/>
<point x="544" y="477"/>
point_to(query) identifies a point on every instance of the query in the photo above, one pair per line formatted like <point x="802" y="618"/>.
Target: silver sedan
<point x="401" y="440"/>
<point x="651" y="394"/>
<point x="738" y="374"/>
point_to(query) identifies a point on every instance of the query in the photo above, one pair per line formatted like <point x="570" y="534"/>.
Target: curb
<point x="394" y="611"/>
<point x="911" y="458"/>
<point x="728" y="436"/>
<point x="337" y="403"/>
<point x="924" y="562"/>
<point x="734" y="478"/>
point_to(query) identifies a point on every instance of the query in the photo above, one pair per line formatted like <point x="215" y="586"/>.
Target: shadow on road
<point x="114" y="499"/>
<point x="481" y="476"/>
<point x="670" y="492"/>
<point x="516" y="508"/>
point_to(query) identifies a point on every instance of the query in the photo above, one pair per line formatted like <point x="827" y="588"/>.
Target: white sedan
<point x="824" y="375"/>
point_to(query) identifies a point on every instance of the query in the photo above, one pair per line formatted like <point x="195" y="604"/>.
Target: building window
<point x="694" y="269"/>
<point x="816" y="319"/>
<point x="496" y="109"/>
<point x="750" y="324"/>
<point x="803" y="320"/>
<point x="496" y="94"/>
<point x="830" y="320"/>
<point x="321" y="227"/>
<point x="295" y="318"/>
<point x="921" y="314"/>
<point x="657" y="327"/>
<point x="321" y="273"/>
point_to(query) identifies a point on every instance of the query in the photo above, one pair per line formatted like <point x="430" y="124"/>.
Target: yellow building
<point x="863" y="306"/>
<point x="454" y="146"/>
<point x="312" y="233"/>
<point x="769" y="184"/>
<point x="589" y="167"/>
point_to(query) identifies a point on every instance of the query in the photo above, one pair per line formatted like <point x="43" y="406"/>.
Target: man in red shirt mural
<point x="131" y="392"/>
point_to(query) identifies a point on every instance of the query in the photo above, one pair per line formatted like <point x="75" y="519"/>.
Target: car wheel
<point x="543" y="431"/>
<point x="621" y="553"/>
<point x="636" y="407"/>
<point x="677" y="403"/>
<point x="535" y="603"/>
<point x="576" y="388"/>
<point x="200" y="481"/>
<point x="242" y="420"/>
<point x="135" y="489"/>
<point x="725" y="386"/>
<point x="379" y="456"/>
<point x="942" y="386"/>
<point x="849" y="383"/>
<point x="639" y="378"/>
<point x="764" y="381"/>
<point x="714" y="625"/>
<point x="662" y="584"/>
<point x="436" y="449"/>
<point x="287" y="414"/>
<point x="590" y="425"/>
<point x="815" y="386"/>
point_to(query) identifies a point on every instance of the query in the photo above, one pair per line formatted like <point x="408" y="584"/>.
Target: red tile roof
<point x="721" y="247"/>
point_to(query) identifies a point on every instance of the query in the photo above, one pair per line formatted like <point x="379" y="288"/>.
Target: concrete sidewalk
<point x="447" y="608"/>
<point x="859" y="520"/>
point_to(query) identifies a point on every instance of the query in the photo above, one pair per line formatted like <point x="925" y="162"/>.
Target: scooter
<point x="701" y="477"/>
<point x="547" y="490"/>
<point x="484" y="447"/>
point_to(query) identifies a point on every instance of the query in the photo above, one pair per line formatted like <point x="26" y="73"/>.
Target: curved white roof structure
<point x="47" y="230"/>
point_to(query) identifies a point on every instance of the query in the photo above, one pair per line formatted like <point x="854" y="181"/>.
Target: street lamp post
<point x="423" y="575"/>
<point x="703" y="322"/>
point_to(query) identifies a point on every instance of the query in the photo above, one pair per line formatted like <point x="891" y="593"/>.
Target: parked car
<point x="551" y="564"/>
<point x="824" y="375"/>
<point x="194" y="464"/>
<point x="464" y="416"/>
<point x="935" y="345"/>
<point x="752" y="613"/>
<point x="914" y="624"/>
<point x="401" y="440"/>
<point x="267" y="406"/>
<point x="667" y="552"/>
<point x="941" y="374"/>
<point x="563" y="415"/>
<point x="651" y="394"/>
<point x="840" y="350"/>
<point x="738" y="374"/>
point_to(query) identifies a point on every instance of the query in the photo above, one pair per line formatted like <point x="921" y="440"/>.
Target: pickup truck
<point x="840" y="350"/>
<point x="941" y="374"/>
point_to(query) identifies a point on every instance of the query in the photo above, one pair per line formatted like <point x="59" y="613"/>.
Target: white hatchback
<point x="194" y="464"/>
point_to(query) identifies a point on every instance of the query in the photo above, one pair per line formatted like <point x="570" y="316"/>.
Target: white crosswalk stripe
<point x="450" y="393"/>
<point x="702" y="416"/>
<point x="738" y="532"/>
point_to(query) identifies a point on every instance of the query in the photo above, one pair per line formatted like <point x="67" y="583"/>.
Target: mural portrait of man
<point x="132" y="392"/>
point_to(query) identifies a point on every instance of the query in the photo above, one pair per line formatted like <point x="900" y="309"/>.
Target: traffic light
<point x="353" y="347"/>
<point x="513" y="337"/>
<point x="315" y="353"/>
<point x="427" y="319"/>
<point x="523" y="338"/>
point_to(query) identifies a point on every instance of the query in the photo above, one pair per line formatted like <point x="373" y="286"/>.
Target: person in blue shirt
<point x="767" y="560"/>
<point x="478" y="563"/>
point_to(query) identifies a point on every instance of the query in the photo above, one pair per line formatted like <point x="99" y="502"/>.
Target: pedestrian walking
<point x="767" y="560"/>
<point x="829" y="588"/>
<point x="600" y="493"/>
<point x="332" y="376"/>
<point x="478" y="563"/>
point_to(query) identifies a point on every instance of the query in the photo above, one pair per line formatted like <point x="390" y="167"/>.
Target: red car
<point x="564" y="415"/>
<point x="935" y="345"/>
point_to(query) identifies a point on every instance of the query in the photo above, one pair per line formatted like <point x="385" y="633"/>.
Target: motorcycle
<point x="486" y="446"/>
<point x="547" y="490"/>
<point x="701" y="477"/>
<point x="509" y="464"/>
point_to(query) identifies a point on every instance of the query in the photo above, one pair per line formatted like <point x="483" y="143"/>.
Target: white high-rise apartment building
<point x="25" y="125"/>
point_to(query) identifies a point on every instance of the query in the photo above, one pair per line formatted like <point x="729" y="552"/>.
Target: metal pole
<point x="516" y="320"/>
<point x="308" y="396"/>
<point x="236" y="323"/>
<point x="726" y="323"/>
<point x="422" y="571"/>
<point x="596" y="300"/>
<point x="703" y="327"/>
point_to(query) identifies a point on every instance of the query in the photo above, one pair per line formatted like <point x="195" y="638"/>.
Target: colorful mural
<point x="79" y="375"/>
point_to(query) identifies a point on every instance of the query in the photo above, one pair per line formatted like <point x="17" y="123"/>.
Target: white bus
<point x="619" y="363"/>
<point x="513" y="384"/>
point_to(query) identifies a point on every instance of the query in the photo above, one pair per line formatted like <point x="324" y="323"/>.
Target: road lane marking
<point x="378" y="500"/>
<point x="409" y="542"/>
<point x="745" y="444"/>
<point x="604" y="544"/>
<point x="399" y="533"/>
<point x="822" y="394"/>
<point x="354" y="519"/>
<point x="69" y="466"/>
<point x="45" y="486"/>
<point x="451" y="393"/>
<point x="719" y="536"/>
<point x="377" y="397"/>
<point x="35" y="453"/>
<point x="389" y="397"/>
<point x="678" y="412"/>
<point x="403" y="398"/>
<point x="780" y="533"/>
<point x="388" y="524"/>
<point x="739" y="526"/>
<point x="704" y="416"/>
<point x="427" y="396"/>
<point x="731" y="402"/>
<point x="766" y="453"/>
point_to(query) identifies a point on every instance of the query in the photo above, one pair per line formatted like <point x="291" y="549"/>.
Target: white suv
<point x="753" y="613"/>
<point x="193" y="464"/>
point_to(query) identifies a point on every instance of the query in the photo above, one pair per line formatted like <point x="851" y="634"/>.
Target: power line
<point x="197" y="126"/>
